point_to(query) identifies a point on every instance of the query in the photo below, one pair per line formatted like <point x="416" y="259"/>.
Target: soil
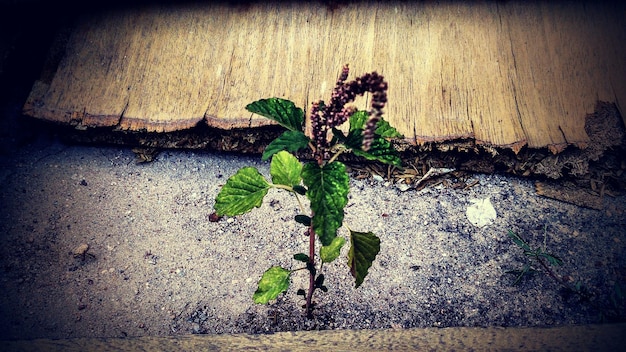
<point x="156" y="265"/>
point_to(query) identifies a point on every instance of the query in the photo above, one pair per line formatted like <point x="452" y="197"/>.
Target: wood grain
<point x="509" y="74"/>
<point x="607" y="337"/>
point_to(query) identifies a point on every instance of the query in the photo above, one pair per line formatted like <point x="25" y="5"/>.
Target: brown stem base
<point x="309" y="296"/>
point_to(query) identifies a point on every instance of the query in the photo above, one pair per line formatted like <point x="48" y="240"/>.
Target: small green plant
<point x="539" y="255"/>
<point x="611" y="311"/>
<point x="324" y="180"/>
<point x="546" y="261"/>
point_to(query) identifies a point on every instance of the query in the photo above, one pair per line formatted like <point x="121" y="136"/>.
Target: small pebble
<point x="403" y="187"/>
<point x="80" y="250"/>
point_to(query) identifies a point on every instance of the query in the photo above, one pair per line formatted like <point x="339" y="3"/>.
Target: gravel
<point x="156" y="265"/>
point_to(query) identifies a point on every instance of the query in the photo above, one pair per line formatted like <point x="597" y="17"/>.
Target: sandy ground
<point x="156" y="265"/>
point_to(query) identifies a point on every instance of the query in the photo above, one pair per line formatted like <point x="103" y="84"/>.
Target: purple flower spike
<point x="325" y="117"/>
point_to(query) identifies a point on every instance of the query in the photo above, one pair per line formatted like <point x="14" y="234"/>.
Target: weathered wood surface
<point x="506" y="74"/>
<point x="568" y="338"/>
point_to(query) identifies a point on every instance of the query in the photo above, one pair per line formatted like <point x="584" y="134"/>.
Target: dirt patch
<point x="156" y="265"/>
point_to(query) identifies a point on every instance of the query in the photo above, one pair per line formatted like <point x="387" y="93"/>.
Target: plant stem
<point x="290" y="189"/>
<point x="342" y="149"/>
<point x="561" y="281"/>
<point x="551" y="273"/>
<point x="309" y="296"/>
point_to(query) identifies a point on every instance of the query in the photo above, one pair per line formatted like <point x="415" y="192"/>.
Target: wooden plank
<point x="607" y="337"/>
<point x="557" y="50"/>
<point x="449" y="67"/>
<point x="503" y="74"/>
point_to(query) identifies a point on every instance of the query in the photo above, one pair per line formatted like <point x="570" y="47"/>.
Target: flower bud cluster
<point x="337" y="111"/>
<point x="319" y="126"/>
<point x="368" y="132"/>
<point x="325" y="117"/>
<point x="378" y="87"/>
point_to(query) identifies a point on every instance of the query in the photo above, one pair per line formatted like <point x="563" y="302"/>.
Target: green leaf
<point x="331" y="252"/>
<point x="519" y="274"/>
<point x="242" y="192"/>
<point x="385" y="130"/>
<point x="280" y="110"/>
<point x="354" y="139"/>
<point x="328" y="189"/>
<point x="299" y="189"/>
<point x="285" y="169"/>
<point x="358" y="120"/>
<point x="303" y="219"/>
<point x="519" y="241"/>
<point x="301" y="257"/>
<point x="338" y="136"/>
<point x="291" y="141"/>
<point x="311" y="268"/>
<point x="381" y="150"/>
<point x="363" y="250"/>
<point x="552" y="259"/>
<point x="319" y="281"/>
<point x="273" y="282"/>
